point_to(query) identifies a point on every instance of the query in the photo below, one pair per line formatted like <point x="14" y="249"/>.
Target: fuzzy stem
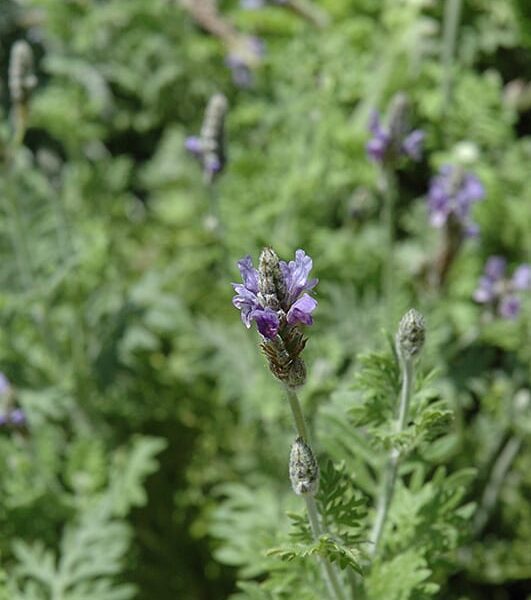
<point x="452" y="12"/>
<point x="331" y="577"/>
<point x="492" y="490"/>
<point x="298" y="417"/>
<point x="391" y="471"/>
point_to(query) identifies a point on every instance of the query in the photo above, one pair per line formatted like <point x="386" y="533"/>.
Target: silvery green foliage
<point x="93" y="547"/>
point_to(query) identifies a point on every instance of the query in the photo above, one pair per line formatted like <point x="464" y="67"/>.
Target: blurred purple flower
<point x="295" y="307"/>
<point x="451" y="195"/>
<point x="496" y="289"/>
<point x="194" y="145"/>
<point x="17" y="417"/>
<point x="389" y="143"/>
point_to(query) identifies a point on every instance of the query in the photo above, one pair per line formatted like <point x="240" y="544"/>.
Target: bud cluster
<point x="22" y="78"/>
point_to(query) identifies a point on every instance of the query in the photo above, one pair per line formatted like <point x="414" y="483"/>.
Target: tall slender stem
<point x="452" y="13"/>
<point x="331" y="578"/>
<point x="391" y="471"/>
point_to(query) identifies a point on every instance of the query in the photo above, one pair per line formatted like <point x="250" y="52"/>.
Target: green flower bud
<point x="411" y="334"/>
<point x="303" y="469"/>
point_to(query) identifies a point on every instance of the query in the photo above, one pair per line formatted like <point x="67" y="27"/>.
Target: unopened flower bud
<point x="22" y="78"/>
<point x="271" y="286"/>
<point x="411" y="334"/>
<point x="303" y="469"/>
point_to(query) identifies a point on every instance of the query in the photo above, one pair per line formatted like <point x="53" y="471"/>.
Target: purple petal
<point x="296" y="275"/>
<point x="17" y="417"/>
<point x="522" y="278"/>
<point x="495" y="267"/>
<point x="245" y="301"/>
<point x="301" y="311"/>
<point x="249" y="274"/>
<point x="473" y="188"/>
<point x="267" y="322"/>
<point x="3" y="420"/>
<point x="376" y="148"/>
<point x="413" y="144"/>
<point x="194" y="145"/>
<point x="471" y="229"/>
<point x="485" y="291"/>
<point x="509" y="307"/>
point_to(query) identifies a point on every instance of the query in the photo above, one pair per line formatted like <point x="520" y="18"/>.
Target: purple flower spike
<point x="451" y="194"/>
<point x="275" y="298"/>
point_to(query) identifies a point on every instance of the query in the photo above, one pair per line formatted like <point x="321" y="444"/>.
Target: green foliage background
<point x="154" y="461"/>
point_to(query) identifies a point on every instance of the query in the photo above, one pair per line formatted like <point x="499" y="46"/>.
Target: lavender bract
<point x="274" y="308"/>
<point x="451" y="195"/>
<point x="499" y="291"/>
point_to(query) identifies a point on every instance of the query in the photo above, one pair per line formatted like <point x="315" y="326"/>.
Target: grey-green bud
<point x="272" y="289"/>
<point x="303" y="469"/>
<point x="411" y="334"/>
<point x="22" y="78"/>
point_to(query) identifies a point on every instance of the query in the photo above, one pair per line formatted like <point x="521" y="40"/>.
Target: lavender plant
<point x="275" y="296"/>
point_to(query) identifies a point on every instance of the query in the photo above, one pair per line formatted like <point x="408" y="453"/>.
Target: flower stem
<point x="331" y="577"/>
<point x="452" y="12"/>
<point x="296" y="411"/>
<point x="391" y="471"/>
